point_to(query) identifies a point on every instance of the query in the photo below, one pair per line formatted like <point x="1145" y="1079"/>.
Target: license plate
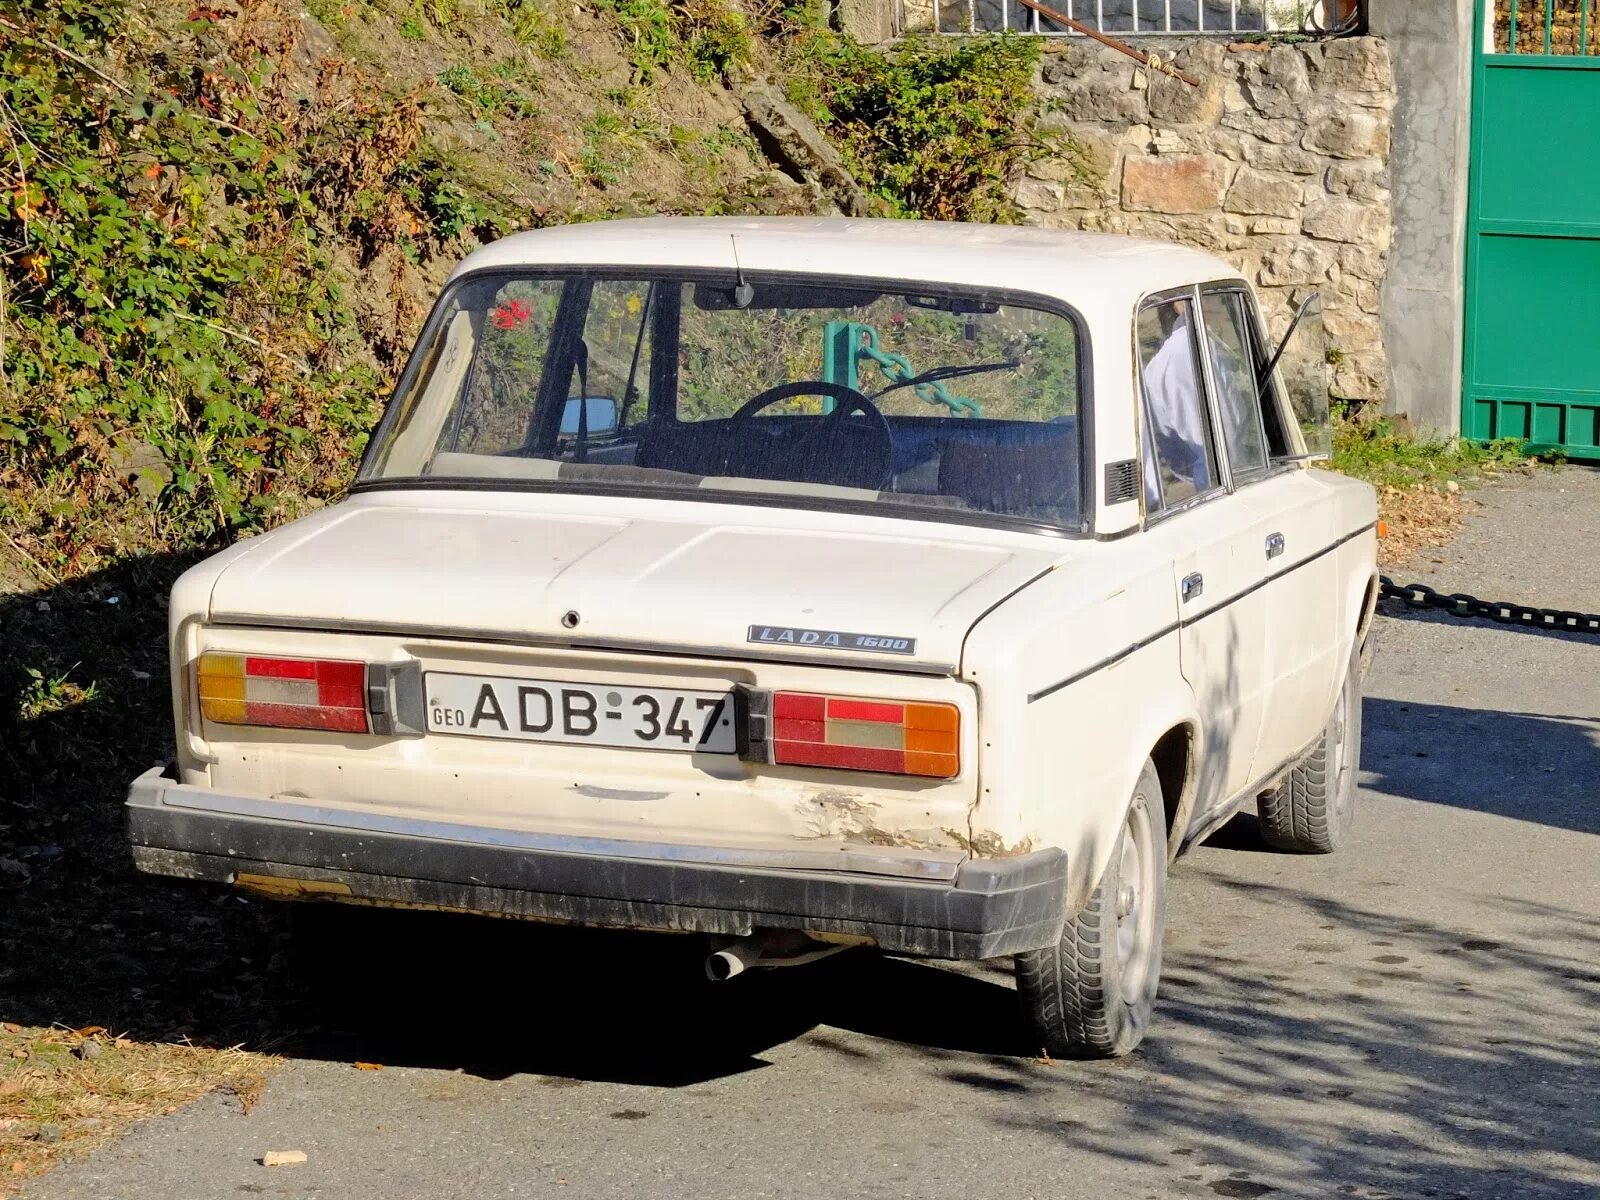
<point x="547" y="710"/>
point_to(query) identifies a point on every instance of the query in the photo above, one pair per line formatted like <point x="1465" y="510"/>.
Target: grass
<point x="1377" y="452"/>
<point x="63" y="1091"/>
<point x="1419" y="479"/>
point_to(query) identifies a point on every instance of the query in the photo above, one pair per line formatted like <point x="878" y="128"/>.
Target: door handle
<point x="1192" y="586"/>
<point x="1275" y="545"/>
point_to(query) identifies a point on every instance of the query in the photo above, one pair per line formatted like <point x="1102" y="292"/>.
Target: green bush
<point x="937" y="127"/>
<point x="181" y="362"/>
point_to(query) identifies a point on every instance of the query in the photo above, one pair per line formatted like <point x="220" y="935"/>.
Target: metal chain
<point x="1458" y="604"/>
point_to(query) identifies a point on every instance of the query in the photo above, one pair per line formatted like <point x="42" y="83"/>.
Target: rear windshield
<point x="754" y="389"/>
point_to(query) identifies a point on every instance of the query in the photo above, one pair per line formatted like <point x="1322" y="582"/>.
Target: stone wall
<point x="1278" y="163"/>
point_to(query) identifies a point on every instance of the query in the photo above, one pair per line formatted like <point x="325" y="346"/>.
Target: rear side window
<point x="1180" y="460"/>
<point x="1233" y="369"/>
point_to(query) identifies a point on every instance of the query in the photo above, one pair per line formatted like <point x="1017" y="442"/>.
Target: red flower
<point x="511" y="315"/>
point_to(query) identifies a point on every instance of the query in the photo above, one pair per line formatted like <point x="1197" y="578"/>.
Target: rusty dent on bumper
<point x="941" y="906"/>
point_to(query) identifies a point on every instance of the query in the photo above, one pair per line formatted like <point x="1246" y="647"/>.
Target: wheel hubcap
<point x="1341" y="748"/>
<point x="1135" y="915"/>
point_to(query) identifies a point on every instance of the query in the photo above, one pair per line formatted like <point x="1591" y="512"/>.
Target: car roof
<point x="1083" y="269"/>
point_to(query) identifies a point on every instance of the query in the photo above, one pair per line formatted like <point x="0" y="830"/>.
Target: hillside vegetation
<point x="220" y="226"/>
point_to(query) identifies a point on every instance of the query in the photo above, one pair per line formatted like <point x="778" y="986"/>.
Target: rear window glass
<point x="755" y="387"/>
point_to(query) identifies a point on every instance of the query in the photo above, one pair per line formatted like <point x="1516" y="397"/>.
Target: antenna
<point x="743" y="293"/>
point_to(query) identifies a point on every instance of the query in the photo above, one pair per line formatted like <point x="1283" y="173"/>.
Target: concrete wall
<point x="1278" y="162"/>
<point x="1423" y="296"/>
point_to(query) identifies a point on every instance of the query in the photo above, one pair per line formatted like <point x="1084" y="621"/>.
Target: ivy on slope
<point x="936" y="127"/>
<point x="180" y="358"/>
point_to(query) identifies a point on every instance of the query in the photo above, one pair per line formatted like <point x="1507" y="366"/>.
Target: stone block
<point x="1344" y="221"/>
<point x="1267" y="129"/>
<point x="1356" y="65"/>
<point x="1087" y="158"/>
<point x="1188" y="183"/>
<point x="868" y="21"/>
<point x="1266" y="156"/>
<point x="1359" y="376"/>
<point x="1093" y="101"/>
<point x="1174" y="102"/>
<point x="1231" y="144"/>
<point x="1277" y="84"/>
<point x="1039" y="195"/>
<point x="1275" y="226"/>
<point x="1364" y="262"/>
<point x="1366" y="181"/>
<point x="1293" y="264"/>
<point x="1348" y="134"/>
<point x="1350" y="329"/>
<point x="1259" y="194"/>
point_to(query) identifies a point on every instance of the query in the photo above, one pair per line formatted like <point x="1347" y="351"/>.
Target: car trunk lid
<point x="711" y="580"/>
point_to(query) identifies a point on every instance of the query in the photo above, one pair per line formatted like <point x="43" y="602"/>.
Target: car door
<point x="1210" y="535"/>
<point x="1305" y="658"/>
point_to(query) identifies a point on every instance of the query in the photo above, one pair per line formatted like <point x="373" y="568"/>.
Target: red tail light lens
<point x="287" y="693"/>
<point x="893" y="736"/>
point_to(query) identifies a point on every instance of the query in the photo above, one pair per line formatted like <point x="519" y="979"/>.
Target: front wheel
<point x="1312" y="811"/>
<point x="1091" y="995"/>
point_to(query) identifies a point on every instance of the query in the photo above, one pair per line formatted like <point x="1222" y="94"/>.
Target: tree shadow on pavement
<point x="1443" y="1066"/>
<point x="1520" y="765"/>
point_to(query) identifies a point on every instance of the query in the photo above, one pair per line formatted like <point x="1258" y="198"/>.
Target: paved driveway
<point x="1418" y="1016"/>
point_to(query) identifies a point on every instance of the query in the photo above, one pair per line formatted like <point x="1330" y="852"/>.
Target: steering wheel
<point x="820" y="456"/>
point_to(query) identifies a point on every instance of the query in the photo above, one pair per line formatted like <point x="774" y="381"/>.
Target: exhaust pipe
<point x="779" y="948"/>
<point x="735" y="959"/>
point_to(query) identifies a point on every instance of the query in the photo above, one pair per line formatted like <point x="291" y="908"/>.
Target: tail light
<point x="289" y="693"/>
<point x="896" y="737"/>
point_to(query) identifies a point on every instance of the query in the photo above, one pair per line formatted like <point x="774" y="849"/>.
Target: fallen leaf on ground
<point x="282" y="1158"/>
<point x="10" y="1027"/>
<point x="366" y="1066"/>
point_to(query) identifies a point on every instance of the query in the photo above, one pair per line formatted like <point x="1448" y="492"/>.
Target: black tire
<point x="1313" y="810"/>
<point x="1089" y="996"/>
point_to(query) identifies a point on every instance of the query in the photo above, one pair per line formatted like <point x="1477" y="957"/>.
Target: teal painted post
<point x="1549" y="21"/>
<point x="1511" y="40"/>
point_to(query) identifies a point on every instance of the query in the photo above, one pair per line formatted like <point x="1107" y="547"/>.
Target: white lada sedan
<point x="800" y="584"/>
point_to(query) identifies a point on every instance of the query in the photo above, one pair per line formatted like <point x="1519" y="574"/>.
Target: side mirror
<point x="593" y="416"/>
<point x="1301" y="361"/>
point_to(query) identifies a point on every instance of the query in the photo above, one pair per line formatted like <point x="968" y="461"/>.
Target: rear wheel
<point x="1312" y="811"/>
<point x="1091" y="995"/>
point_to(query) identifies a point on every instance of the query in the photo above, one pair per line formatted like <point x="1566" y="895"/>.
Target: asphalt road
<point x="1417" y="1016"/>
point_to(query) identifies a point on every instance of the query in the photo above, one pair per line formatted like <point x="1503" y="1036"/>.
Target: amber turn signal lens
<point x="285" y="693"/>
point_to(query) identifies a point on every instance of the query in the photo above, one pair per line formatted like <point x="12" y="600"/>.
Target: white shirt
<point x="1175" y="415"/>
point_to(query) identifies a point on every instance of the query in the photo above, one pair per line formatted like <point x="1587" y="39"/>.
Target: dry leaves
<point x="1418" y="518"/>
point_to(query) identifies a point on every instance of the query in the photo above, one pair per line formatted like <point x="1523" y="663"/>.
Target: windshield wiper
<point x="938" y="373"/>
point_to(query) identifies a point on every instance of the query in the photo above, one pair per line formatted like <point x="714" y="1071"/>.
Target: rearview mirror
<point x="1301" y="361"/>
<point x="594" y="416"/>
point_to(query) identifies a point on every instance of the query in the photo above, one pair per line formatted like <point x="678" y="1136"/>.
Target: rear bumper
<point x="990" y="908"/>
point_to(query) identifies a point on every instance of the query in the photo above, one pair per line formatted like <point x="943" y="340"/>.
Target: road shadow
<point x="1524" y="766"/>
<point x="1423" y="1061"/>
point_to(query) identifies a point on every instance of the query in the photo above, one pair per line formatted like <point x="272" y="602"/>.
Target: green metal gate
<point x="1532" y="367"/>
